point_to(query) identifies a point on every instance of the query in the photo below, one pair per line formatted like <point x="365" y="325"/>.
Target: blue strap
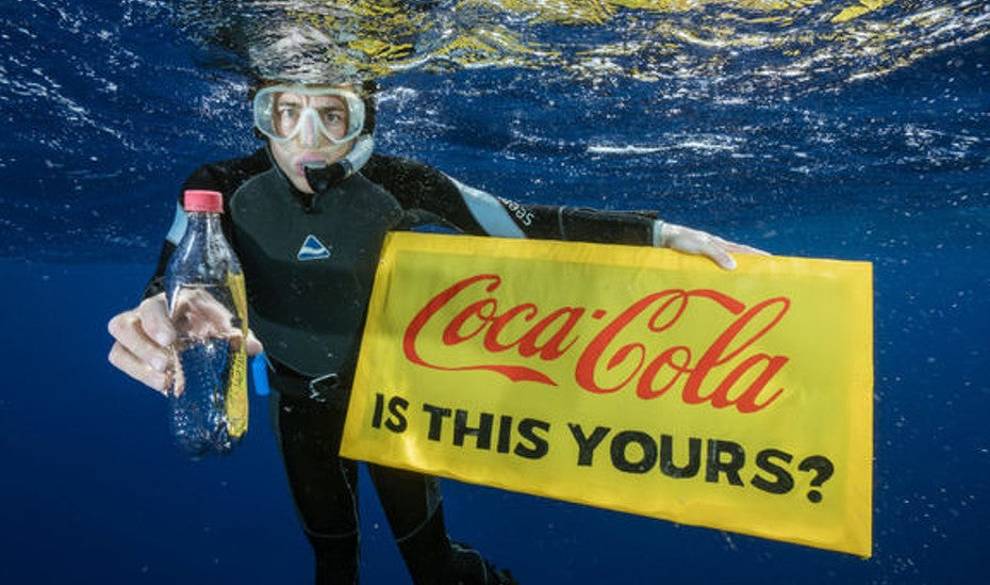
<point x="259" y="374"/>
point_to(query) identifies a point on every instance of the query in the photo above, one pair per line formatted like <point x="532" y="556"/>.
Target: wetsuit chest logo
<point x="312" y="249"/>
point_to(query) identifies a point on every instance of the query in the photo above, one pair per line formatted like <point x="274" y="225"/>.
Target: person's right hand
<point x="144" y="336"/>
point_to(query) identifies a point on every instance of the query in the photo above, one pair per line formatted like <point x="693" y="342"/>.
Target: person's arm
<point x="442" y="199"/>
<point x="143" y="335"/>
<point x="223" y="177"/>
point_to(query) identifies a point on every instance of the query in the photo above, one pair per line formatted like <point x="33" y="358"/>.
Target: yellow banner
<point x="628" y="378"/>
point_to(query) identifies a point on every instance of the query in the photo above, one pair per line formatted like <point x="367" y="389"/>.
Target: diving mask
<point x="283" y="112"/>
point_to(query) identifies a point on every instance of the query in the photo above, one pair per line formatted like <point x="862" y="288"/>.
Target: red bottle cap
<point x="208" y="201"/>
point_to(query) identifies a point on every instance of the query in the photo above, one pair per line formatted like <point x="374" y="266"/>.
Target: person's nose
<point x="309" y="134"/>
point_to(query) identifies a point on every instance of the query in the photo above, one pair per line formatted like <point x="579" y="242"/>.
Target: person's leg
<point x="413" y="507"/>
<point x="324" y="486"/>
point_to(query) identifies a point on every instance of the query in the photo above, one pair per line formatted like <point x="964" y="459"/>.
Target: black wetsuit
<point x="309" y="263"/>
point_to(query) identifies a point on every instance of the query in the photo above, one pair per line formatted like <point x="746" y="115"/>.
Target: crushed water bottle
<point x="204" y="287"/>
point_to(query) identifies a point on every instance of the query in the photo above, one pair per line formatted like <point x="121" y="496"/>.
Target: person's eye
<point x="288" y="111"/>
<point x="331" y="116"/>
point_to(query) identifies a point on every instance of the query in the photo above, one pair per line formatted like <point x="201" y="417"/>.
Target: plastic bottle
<point x="204" y="287"/>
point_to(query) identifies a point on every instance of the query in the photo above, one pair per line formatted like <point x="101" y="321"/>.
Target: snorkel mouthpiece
<point x="314" y="164"/>
<point x="322" y="177"/>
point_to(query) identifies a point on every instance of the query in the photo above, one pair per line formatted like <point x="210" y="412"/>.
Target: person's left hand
<point x="691" y="241"/>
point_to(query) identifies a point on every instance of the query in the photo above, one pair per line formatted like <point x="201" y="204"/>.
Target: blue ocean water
<point x="108" y="106"/>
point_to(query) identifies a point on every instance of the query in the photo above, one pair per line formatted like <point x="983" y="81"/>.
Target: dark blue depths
<point x="893" y="170"/>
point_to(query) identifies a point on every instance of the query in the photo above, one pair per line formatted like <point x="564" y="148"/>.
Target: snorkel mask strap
<point x="322" y="179"/>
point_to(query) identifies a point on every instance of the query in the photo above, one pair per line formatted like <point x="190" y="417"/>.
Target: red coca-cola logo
<point x="723" y="365"/>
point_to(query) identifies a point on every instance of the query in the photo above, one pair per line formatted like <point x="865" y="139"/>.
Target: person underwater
<point x="307" y="215"/>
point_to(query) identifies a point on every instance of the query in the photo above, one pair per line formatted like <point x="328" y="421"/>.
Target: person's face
<point x="308" y="144"/>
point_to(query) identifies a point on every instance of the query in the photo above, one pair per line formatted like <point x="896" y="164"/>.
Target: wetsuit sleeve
<point x="432" y="197"/>
<point x="224" y="177"/>
<point x="157" y="282"/>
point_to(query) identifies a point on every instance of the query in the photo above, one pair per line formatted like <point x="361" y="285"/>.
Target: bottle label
<point x="236" y="399"/>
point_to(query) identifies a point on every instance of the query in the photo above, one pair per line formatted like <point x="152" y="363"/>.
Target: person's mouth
<point x="309" y="161"/>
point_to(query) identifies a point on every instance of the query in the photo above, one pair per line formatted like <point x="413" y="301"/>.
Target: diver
<point x="307" y="214"/>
